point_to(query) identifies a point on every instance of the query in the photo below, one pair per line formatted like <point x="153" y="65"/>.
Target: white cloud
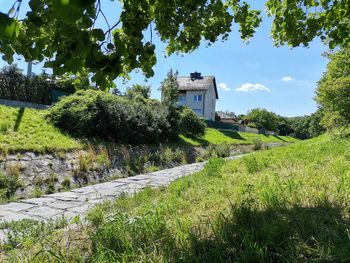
<point x="224" y="87"/>
<point x="287" y="78"/>
<point x="249" y="87"/>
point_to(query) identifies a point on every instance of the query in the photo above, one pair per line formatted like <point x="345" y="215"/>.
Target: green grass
<point x="287" y="204"/>
<point x="214" y="136"/>
<point x="23" y="129"/>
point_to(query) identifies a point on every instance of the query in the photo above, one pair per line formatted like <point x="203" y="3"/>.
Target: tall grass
<point x="282" y="205"/>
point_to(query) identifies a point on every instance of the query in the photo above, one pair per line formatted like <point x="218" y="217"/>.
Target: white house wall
<point x="209" y="103"/>
<point x="194" y="104"/>
<point x="206" y="105"/>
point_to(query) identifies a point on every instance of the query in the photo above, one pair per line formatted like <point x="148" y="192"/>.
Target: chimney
<point x="195" y="75"/>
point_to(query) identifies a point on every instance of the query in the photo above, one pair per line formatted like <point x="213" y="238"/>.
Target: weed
<point x="51" y="179"/>
<point x="167" y="155"/>
<point x="102" y="158"/>
<point x="50" y="188"/>
<point x="66" y="183"/>
<point x="151" y="169"/>
<point x="13" y="169"/>
<point x="199" y="159"/>
<point x="61" y="155"/>
<point x="257" y="144"/>
<point x="216" y="151"/>
<point x="170" y="156"/>
<point x="9" y="183"/>
<point x="38" y="180"/>
<point x="85" y="161"/>
<point x="37" y="191"/>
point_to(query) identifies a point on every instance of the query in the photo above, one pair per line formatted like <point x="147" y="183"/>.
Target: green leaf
<point x="98" y="34"/>
<point x="83" y="3"/>
<point x="8" y="26"/>
<point x="110" y="46"/>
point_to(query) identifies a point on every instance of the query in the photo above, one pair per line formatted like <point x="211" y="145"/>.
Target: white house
<point x="198" y="93"/>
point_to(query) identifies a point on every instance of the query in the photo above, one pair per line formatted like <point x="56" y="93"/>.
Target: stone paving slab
<point x="79" y="201"/>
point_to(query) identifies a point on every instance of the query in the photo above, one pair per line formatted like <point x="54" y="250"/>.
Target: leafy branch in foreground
<point x="65" y="35"/>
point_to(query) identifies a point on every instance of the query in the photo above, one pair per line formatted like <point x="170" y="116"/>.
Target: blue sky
<point x="251" y="75"/>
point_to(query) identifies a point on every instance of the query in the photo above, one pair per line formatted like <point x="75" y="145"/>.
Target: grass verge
<point x="24" y="129"/>
<point x="287" y="204"/>
<point x="214" y="136"/>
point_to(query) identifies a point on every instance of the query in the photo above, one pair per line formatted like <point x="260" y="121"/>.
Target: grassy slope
<point x="214" y="136"/>
<point x="26" y="129"/>
<point x="283" y="205"/>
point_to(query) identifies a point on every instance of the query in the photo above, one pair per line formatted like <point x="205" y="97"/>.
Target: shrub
<point x="66" y="183"/>
<point x="191" y="124"/>
<point x="223" y="150"/>
<point x="37" y="191"/>
<point x="257" y="144"/>
<point x="9" y="183"/>
<point x="94" y="113"/>
<point x="216" y="151"/>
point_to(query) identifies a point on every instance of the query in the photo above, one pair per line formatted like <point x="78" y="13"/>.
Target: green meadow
<point x="288" y="204"/>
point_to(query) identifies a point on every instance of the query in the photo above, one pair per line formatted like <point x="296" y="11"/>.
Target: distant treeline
<point x="302" y="127"/>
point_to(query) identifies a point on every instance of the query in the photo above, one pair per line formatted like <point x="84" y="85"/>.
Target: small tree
<point x="169" y="89"/>
<point x="138" y="91"/>
<point x="263" y="118"/>
<point x="170" y="94"/>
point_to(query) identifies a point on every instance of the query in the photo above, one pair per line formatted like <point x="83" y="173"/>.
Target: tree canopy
<point x="138" y="91"/>
<point x="301" y="127"/>
<point x="64" y="34"/>
<point x="333" y="90"/>
<point x="263" y="118"/>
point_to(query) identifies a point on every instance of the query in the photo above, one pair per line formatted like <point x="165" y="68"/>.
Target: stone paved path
<point x="78" y="201"/>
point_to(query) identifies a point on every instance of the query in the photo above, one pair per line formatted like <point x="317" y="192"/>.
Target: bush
<point x="257" y="144"/>
<point x="97" y="114"/>
<point x="216" y="151"/>
<point x="191" y="124"/>
<point x="9" y="183"/>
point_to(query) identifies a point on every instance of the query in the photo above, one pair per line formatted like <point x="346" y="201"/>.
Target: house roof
<point x="223" y="115"/>
<point x="200" y="83"/>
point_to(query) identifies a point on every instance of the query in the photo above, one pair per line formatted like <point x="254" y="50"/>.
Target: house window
<point x="198" y="111"/>
<point x="182" y="98"/>
<point x="197" y="97"/>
